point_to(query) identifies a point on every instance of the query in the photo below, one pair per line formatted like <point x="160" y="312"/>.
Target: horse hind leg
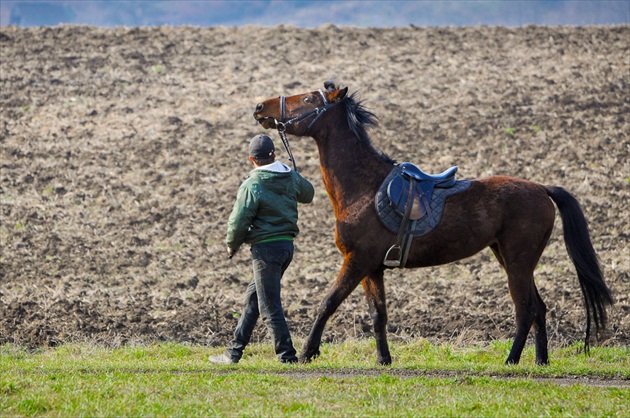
<point x="520" y="284"/>
<point x="374" y="289"/>
<point x="530" y="310"/>
<point x="540" y="325"/>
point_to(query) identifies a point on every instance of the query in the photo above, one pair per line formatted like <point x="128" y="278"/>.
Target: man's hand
<point x="230" y="253"/>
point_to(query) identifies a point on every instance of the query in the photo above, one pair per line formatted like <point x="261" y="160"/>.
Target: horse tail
<point x="578" y="243"/>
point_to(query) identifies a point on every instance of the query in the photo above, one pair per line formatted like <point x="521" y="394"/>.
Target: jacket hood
<point x="276" y="167"/>
<point x="276" y="177"/>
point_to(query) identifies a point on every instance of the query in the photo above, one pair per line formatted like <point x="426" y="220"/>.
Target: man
<point x="265" y="215"/>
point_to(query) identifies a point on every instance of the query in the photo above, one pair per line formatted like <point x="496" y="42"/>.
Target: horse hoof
<point x="384" y="361"/>
<point x="307" y="356"/>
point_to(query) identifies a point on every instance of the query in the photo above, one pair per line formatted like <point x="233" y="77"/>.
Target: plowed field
<point x="122" y="150"/>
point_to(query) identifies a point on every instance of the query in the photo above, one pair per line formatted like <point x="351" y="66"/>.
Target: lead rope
<point x="285" y="141"/>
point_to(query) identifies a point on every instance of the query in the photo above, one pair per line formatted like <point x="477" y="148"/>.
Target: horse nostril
<point x="259" y="107"/>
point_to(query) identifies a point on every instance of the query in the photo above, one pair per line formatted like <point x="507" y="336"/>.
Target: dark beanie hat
<point x="261" y="146"/>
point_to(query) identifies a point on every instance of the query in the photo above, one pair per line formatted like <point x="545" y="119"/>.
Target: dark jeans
<point x="262" y="298"/>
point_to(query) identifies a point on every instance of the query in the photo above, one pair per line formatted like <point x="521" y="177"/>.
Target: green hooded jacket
<point x="266" y="206"/>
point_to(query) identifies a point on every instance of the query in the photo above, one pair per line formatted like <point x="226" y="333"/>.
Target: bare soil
<point x="122" y="150"/>
<point x="458" y="376"/>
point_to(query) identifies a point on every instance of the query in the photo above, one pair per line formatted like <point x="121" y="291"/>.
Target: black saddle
<point x="444" y="180"/>
<point x="410" y="203"/>
<point x="414" y="183"/>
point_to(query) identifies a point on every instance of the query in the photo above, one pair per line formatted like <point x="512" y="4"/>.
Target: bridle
<point x="281" y="125"/>
<point x="319" y="111"/>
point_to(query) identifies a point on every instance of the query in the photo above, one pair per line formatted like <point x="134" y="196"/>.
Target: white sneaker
<point x="222" y="359"/>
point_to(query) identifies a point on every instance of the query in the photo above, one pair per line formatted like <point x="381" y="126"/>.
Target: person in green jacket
<point x="265" y="215"/>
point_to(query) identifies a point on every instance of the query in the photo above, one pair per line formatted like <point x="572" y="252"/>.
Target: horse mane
<point x="359" y="119"/>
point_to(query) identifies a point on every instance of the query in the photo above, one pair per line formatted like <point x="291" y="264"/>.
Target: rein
<point x="281" y="125"/>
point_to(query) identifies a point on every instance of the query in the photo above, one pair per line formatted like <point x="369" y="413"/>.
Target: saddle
<point x="416" y="184"/>
<point x="410" y="203"/>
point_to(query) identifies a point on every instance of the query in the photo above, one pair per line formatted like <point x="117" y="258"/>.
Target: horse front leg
<point x="374" y="289"/>
<point x="347" y="280"/>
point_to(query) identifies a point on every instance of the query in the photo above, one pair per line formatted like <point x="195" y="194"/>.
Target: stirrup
<point x="393" y="262"/>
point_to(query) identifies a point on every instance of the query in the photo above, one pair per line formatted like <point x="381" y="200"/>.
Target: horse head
<point x="297" y="114"/>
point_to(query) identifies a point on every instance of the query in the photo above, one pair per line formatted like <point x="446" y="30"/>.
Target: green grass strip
<point x="425" y="380"/>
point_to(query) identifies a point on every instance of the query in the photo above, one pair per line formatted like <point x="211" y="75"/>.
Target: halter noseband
<point x="281" y="125"/>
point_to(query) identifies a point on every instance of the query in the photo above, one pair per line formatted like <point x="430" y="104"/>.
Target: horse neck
<point x="351" y="169"/>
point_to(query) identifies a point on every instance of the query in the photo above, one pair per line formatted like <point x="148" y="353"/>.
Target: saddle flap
<point x="434" y="204"/>
<point x="398" y="194"/>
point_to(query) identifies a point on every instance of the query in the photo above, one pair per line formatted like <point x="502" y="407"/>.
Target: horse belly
<point x="450" y="242"/>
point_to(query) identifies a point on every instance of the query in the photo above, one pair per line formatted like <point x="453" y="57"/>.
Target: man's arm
<point x="240" y="219"/>
<point x="306" y="191"/>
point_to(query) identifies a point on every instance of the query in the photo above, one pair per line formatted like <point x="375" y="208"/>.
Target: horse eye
<point x="307" y="99"/>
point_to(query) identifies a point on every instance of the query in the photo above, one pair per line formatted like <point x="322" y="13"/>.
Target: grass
<point x="426" y="379"/>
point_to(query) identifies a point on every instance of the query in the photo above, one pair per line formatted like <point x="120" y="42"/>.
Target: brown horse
<point x="514" y="217"/>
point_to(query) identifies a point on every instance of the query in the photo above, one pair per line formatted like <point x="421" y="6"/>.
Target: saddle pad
<point x="392" y="220"/>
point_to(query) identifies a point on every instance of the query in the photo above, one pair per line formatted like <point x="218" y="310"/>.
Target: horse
<point x="512" y="216"/>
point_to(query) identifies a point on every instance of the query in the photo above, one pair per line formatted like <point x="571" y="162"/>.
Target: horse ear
<point x="338" y="95"/>
<point x="329" y="86"/>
